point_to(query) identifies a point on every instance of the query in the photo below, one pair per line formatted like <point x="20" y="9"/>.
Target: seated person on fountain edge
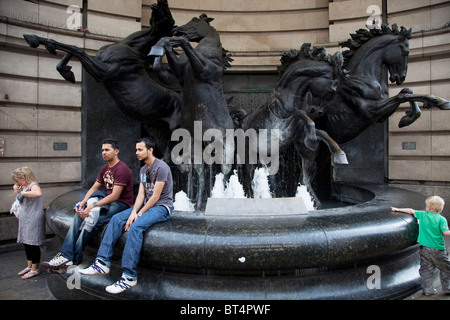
<point x="154" y="204"/>
<point x="96" y="208"/>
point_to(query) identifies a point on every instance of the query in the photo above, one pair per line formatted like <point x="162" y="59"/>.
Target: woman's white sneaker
<point x="121" y="285"/>
<point x="97" y="267"/>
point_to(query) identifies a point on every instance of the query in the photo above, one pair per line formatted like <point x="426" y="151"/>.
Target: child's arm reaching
<point x="405" y="210"/>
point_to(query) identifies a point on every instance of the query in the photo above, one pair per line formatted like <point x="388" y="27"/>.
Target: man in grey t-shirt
<point x="149" y="176"/>
<point x="154" y="203"/>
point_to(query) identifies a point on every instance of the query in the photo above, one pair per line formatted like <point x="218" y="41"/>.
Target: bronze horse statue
<point x="122" y="68"/>
<point x="362" y="99"/>
<point x="319" y="98"/>
<point x="333" y="98"/>
<point x="200" y="73"/>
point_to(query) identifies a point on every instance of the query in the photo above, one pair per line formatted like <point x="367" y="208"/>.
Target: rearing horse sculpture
<point x="362" y="99"/>
<point x="316" y="89"/>
<point x="122" y="68"/>
<point x="200" y="72"/>
<point x="316" y="100"/>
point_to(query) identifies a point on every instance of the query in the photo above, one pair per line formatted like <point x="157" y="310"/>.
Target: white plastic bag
<point x="15" y="208"/>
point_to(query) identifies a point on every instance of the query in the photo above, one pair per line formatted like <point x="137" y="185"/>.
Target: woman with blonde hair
<point x="31" y="219"/>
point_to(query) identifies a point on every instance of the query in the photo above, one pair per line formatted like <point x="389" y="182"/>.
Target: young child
<point x="432" y="228"/>
<point x="31" y="219"/>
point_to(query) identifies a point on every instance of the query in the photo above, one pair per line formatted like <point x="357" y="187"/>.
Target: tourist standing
<point x="31" y="219"/>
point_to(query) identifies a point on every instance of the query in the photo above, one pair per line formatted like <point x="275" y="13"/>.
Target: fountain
<point x="237" y="231"/>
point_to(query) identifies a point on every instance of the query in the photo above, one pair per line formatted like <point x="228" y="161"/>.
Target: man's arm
<point x="157" y="189"/>
<point x="115" y="195"/>
<point x="94" y="188"/>
<point x="137" y="204"/>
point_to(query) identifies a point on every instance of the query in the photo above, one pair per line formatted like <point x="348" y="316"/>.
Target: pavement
<point x="12" y="287"/>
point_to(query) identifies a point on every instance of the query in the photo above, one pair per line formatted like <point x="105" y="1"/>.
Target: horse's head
<point x="385" y="46"/>
<point x="395" y="57"/>
<point x="196" y="29"/>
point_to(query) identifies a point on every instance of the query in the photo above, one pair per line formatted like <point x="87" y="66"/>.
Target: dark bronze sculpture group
<point x="318" y="98"/>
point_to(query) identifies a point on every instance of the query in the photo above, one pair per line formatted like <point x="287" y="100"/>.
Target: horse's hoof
<point x="407" y="90"/>
<point x="340" y="158"/>
<point x="67" y="74"/>
<point x="408" y="119"/>
<point x="443" y="105"/>
<point x="32" y="40"/>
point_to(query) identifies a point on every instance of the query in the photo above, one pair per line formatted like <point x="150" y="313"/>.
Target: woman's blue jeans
<point x="76" y="239"/>
<point x="135" y="238"/>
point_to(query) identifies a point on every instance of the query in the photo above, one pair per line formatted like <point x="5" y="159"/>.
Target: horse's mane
<point x="362" y="36"/>
<point x="226" y="57"/>
<point x="340" y="60"/>
<point x="317" y="54"/>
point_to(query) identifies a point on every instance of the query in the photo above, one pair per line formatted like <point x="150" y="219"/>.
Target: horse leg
<point x="412" y="114"/>
<point x="309" y="167"/>
<point x="96" y="68"/>
<point x="309" y="130"/>
<point x="165" y="47"/>
<point x="64" y="69"/>
<point x="389" y="106"/>
<point x="199" y="169"/>
<point x="338" y="154"/>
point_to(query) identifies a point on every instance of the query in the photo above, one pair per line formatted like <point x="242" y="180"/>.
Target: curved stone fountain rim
<point x="320" y="239"/>
<point x="192" y="256"/>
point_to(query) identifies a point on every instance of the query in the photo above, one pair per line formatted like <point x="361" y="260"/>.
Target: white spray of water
<point x="182" y="202"/>
<point x="303" y="193"/>
<point x="232" y="189"/>
<point x="260" y="183"/>
<point x="218" y="190"/>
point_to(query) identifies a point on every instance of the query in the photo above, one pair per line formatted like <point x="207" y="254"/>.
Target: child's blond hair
<point x="24" y="172"/>
<point x="435" y="203"/>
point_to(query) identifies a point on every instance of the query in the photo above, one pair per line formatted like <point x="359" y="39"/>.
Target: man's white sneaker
<point x="57" y="262"/>
<point x="121" y="285"/>
<point x="97" y="267"/>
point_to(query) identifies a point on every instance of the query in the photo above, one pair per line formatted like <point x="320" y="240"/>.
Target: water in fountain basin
<point x="234" y="189"/>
